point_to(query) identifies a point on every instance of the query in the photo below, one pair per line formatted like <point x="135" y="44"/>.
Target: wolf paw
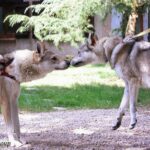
<point x="132" y="126"/>
<point x="117" y="125"/>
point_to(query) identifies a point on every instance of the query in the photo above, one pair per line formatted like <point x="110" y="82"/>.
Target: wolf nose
<point x="68" y="59"/>
<point x="67" y="62"/>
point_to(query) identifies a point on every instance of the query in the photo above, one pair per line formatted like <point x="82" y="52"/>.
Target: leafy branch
<point x="60" y="20"/>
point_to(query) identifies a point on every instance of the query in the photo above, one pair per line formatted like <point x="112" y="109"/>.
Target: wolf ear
<point x="8" y="60"/>
<point x="4" y="62"/>
<point x="37" y="55"/>
<point x="40" y="48"/>
<point x="92" y="39"/>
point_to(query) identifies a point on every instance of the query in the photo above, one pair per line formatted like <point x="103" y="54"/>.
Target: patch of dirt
<point x="81" y="130"/>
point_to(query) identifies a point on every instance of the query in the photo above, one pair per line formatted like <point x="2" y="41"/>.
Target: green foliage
<point x="68" y="20"/>
<point x="61" y="20"/>
<point x="125" y="7"/>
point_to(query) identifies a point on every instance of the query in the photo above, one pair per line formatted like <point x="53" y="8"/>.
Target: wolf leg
<point x="6" y="110"/>
<point x="10" y="112"/>
<point x="123" y="105"/>
<point x="14" y="113"/>
<point x="133" y="92"/>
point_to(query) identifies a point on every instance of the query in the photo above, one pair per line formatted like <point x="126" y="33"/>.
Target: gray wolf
<point x="25" y="65"/>
<point x="130" y="61"/>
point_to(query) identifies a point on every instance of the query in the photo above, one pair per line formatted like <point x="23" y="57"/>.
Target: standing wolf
<point x="25" y="65"/>
<point x="122" y="58"/>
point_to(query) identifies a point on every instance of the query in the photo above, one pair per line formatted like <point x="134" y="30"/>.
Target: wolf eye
<point x="54" y="59"/>
<point x="79" y="53"/>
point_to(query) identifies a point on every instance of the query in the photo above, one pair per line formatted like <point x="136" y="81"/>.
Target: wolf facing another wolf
<point x="130" y="61"/>
<point x="15" y="68"/>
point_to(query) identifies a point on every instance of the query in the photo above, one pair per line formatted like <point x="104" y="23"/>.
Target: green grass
<point x="92" y="86"/>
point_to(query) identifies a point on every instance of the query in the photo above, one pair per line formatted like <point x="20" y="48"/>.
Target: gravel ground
<point x="81" y="130"/>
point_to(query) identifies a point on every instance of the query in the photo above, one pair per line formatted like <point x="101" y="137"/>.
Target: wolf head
<point x="85" y="53"/>
<point x="95" y="50"/>
<point x="49" y="59"/>
<point x="31" y="65"/>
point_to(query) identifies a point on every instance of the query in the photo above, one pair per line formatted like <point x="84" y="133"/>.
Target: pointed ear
<point x="92" y="39"/>
<point x="8" y="60"/>
<point x="4" y="62"/>
<point x="40" y="48"/>
<point x="36" y="57"/>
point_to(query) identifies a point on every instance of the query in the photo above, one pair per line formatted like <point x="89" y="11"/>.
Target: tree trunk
<point x="131" y="26"/>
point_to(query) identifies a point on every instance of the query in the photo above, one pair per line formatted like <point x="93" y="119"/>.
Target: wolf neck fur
<point x="113" y="55"/>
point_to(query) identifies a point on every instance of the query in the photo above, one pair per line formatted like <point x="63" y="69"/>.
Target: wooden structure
<point x="8" y="7"/>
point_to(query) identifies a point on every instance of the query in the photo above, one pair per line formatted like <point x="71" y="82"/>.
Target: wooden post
<point x="30" y="15"/>
<point x="149" y="23"/>
<point x="30" y="34"/>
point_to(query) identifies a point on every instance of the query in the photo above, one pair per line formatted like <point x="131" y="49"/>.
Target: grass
<point x="92" y="86"/>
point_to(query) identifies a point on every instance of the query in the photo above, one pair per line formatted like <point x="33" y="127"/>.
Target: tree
<point x="131" y="9"/>
<point x="60" y="20"/>
<point x="67" y="21"/>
